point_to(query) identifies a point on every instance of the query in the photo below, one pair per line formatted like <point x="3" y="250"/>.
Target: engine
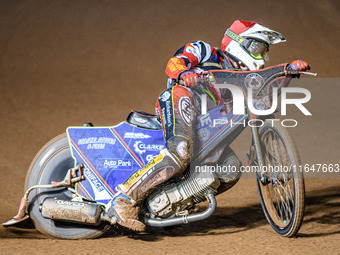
<point x="176" y="198"/>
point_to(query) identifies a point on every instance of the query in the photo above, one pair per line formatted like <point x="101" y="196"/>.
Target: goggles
<point x="256" y="49"/>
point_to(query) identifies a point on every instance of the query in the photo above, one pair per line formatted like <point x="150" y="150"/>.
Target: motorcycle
<point x="73" y="178"/>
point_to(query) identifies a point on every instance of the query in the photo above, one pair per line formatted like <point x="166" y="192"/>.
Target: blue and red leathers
<point x="177" y="108"/>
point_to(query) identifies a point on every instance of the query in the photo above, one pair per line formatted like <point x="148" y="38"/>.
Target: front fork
<point x="255" y="155"/>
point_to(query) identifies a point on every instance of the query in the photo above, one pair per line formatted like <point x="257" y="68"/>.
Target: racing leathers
<point x="195" y="54"/>
<point x="177" y="107"/>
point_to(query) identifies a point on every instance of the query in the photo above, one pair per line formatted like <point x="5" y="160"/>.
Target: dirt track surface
<point x="64" y="63"/>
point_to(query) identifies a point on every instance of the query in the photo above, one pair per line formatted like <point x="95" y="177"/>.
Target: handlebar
<point x="292" y="73"/>
<point x="309" y="73"/>
<point x="202" y="80"/>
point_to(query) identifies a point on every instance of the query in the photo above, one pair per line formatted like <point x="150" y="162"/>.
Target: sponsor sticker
<point x="95" y="182"/>
<point x="203" y="134"/>
<point x="150" y="157"/>
<point x="132" y="135"/>
<point x="141" y="147"/>
<point x="232" y="35"/>
<point x="253" y="81"/>
<point x="165" y="96"/>
<point x="138" y="174"/>
<point x="205" y="120"/>
<point x="121" y="164"/>
<point x="185" y="109"/>
<point x="96" y="143"/>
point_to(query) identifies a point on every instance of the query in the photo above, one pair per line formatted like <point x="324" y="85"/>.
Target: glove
<point x="189" y="78"/>
<point x="298" y="65"/>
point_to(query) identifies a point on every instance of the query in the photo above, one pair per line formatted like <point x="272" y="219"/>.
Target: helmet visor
<point x="257" y="49"/>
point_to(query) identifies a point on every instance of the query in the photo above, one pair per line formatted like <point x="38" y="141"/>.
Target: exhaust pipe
<point x="90" y="213"/>
<point x="185" y="218"/>
<point x="71" y="211"/>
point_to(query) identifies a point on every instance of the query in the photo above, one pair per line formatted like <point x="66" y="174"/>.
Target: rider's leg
<point x="174" y="106"/>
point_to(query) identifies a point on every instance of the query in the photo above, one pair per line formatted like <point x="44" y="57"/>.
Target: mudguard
<point x="110" y="155"/>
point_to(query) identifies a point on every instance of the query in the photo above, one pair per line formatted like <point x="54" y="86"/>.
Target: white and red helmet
<point x="247" y="42"/>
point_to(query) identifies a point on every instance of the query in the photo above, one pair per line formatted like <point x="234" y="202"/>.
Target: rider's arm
<point x="188" y="57"/>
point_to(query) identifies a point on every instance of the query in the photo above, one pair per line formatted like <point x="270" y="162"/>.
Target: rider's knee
<point x="180" y="148"/>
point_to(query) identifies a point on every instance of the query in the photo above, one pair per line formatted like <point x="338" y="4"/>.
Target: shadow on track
<point x="322" y="208"/>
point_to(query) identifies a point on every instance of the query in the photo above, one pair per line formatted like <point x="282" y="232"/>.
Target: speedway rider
<point x="244" y="47"/>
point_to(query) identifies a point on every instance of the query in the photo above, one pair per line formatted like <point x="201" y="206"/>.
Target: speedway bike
<point x="73" y="178"/>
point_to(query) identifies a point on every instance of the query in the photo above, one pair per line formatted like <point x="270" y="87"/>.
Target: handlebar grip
<point x="292" y="72"/>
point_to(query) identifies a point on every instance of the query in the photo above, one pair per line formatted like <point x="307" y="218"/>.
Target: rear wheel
<point x="282" y="196"/>
<point x="51" y="164"/>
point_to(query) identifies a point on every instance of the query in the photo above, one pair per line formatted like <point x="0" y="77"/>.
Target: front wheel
<point x="283" y="194"/>
<point x="51" y="164"/>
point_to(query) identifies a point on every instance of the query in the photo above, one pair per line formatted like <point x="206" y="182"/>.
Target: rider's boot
<point x="126" y="204"/>
<point x="126" y="211"/>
